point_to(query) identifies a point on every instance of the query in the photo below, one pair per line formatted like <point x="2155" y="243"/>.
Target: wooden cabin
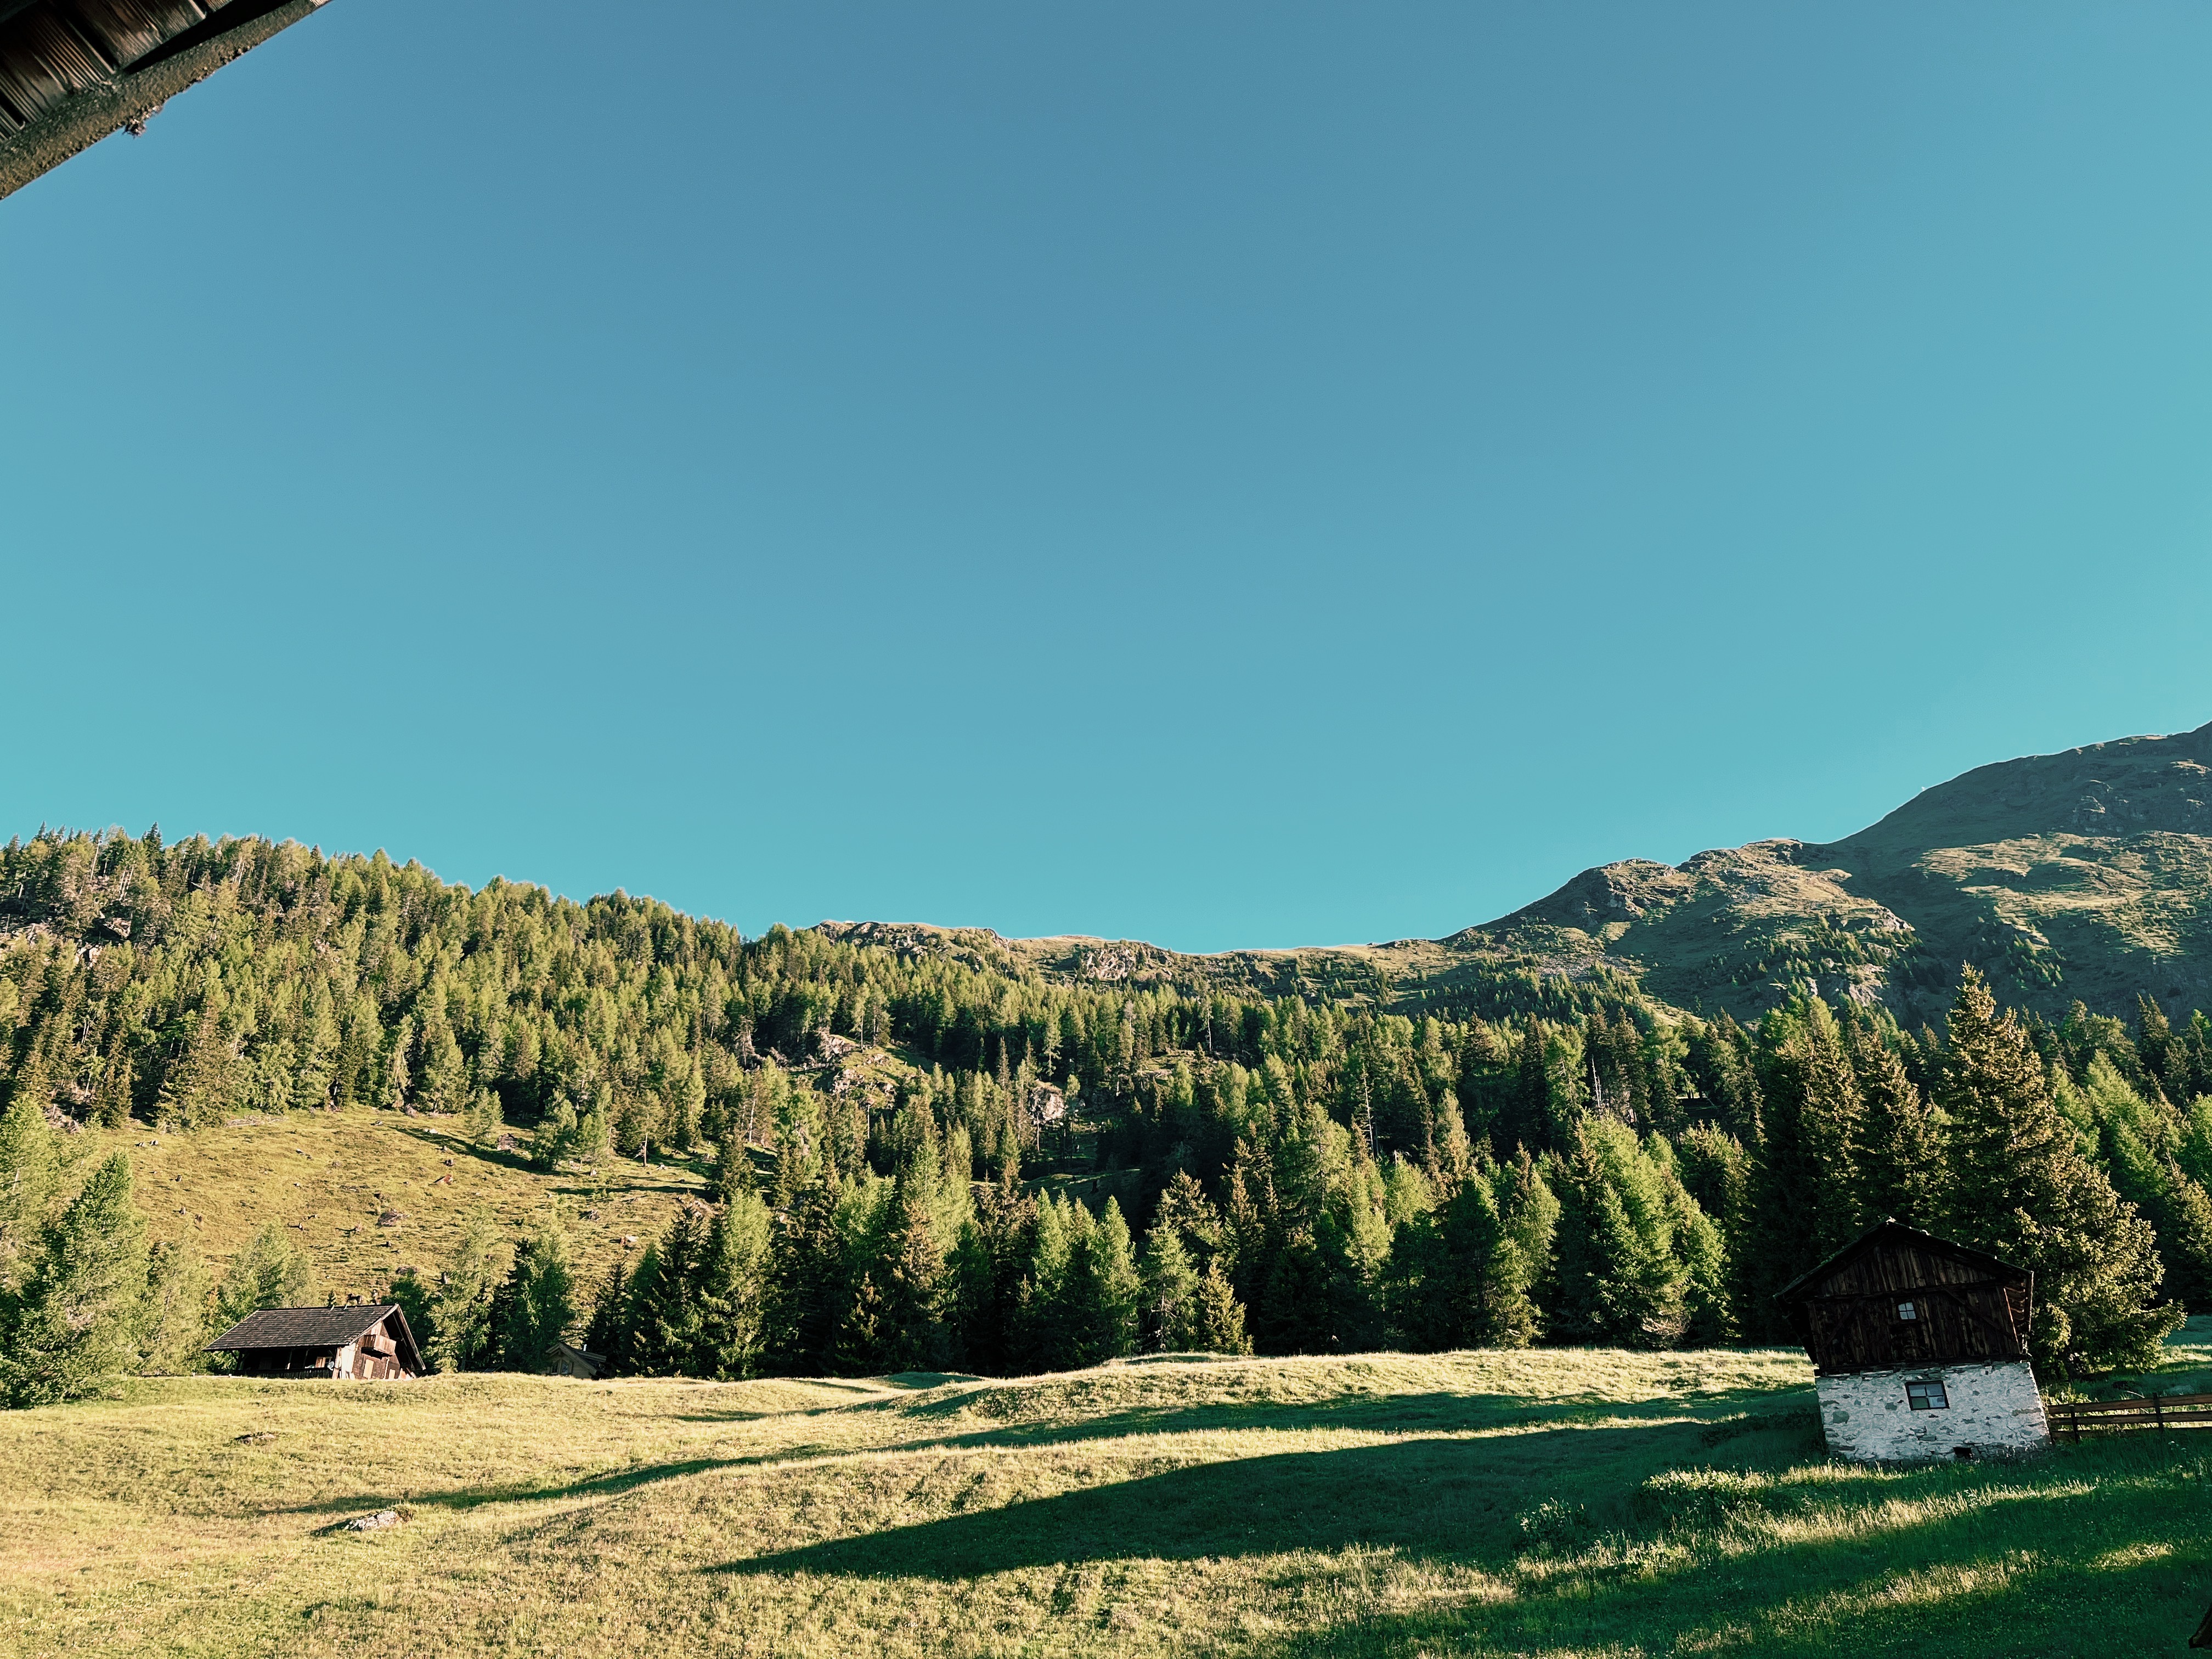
<point x="72" y="71"/>
<point x="567" y="1359"/>
<point x="361" y="1342"/>
<point x="1919" y="1346"/>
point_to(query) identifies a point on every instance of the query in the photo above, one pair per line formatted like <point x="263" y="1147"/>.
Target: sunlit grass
<point x="1386" y="1504"/>
<point x="327" y="1179"/>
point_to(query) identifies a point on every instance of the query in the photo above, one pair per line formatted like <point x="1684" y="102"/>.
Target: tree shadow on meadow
<point x="2064" y="1554"/>
<point x="1428" y="1497"/>
<point x="1438" y="1413"/>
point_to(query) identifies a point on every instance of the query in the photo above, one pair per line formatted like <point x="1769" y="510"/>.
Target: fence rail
<point x="2072" y="1419"/>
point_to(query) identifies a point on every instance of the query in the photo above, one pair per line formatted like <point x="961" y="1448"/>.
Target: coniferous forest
<point x="1044" y="1172"/>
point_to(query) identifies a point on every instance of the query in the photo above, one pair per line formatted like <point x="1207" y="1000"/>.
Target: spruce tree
<point x="1171" y="1311"/>
<point x="28" y="1162"/>
<point x="173" y="1323"/>
<point x="2020" y="1189"/>
<point x="74" y="1327"/>
<point x="1900" y="1165"/>
<point x="1219" y="1327"/>
<point x="270" y="1272"/>
<point x="535" y="1304"/>
<point x="734" y="1288"/>
<point x="1620" y="1280"/>
<point x="461" y="1308"/>
<point x="664" y="1315"/>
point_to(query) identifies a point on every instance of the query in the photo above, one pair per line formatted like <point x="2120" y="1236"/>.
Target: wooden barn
<point x="72" y="71"/>
<point x="1920" y="1346"/>
<point x="365" y="1343"/>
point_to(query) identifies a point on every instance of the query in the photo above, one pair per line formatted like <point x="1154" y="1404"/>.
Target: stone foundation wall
<point x="1994" y="1408"/>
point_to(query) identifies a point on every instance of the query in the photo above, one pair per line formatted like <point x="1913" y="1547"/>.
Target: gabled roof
<point x="72" y="71"/>
<point x="318" y="1327"/>
<point x="1896" y="1232"/>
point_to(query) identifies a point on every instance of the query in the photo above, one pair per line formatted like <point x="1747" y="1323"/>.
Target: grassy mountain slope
<point x="2083" y="874"/>
<point x="365" y="1194"/>
<point x="2086" y="874"/>
<point x="1561" y="1502"/>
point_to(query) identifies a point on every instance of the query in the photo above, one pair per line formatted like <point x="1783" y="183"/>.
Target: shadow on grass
<point x="611" y="1485"/>
<point x="2099" y="1553"/>
<point x="1442" y="1413"/>
<point x="2102" y="1552"/>
<point x="1452" y="1498"/>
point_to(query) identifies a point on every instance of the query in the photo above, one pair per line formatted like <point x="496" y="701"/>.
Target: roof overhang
<point x="1800" y="1287"/>
<point x="73" y="71"/>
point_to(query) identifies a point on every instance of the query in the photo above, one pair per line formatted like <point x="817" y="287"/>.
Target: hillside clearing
<point x="327" y="1179"/>
<point x="1556" y="1502"/>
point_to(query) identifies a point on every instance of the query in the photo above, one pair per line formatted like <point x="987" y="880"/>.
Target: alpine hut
<point x="1920" y="1348"/>
<point x="363" y="1342"/>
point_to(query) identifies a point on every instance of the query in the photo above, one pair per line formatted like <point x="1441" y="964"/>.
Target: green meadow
<point x="1560" y="1502"/>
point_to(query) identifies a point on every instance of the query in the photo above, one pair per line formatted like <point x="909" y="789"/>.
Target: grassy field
<point x="328" y="1178"/>
<point x="1555" y="1502"/>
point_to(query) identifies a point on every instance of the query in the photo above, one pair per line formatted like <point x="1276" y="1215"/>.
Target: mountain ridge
<point x="2085" y="874"/>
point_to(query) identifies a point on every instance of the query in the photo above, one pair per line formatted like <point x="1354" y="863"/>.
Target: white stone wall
<point x="1994" y="1408"/>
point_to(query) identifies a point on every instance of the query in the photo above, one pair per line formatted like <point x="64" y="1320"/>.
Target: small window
<point x="1908" y="1310"/>
<point x="1927" y="1397"/>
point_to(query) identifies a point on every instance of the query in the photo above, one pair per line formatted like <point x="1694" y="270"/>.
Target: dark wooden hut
<point x="72" y="71"/>
<point x="1919" y="1346"/>
<point x="365" y="1343"/>
<point x="1896" y="1296"/>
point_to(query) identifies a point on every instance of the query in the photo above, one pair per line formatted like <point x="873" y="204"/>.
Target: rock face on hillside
<point x="2083" y="874"/>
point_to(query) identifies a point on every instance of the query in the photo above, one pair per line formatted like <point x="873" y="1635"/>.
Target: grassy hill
<point x="331" y="1180"/>
<point x="1560" y="1502"/>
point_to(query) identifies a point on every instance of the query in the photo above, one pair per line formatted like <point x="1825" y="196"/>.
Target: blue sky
<point x="1230" y="476"/>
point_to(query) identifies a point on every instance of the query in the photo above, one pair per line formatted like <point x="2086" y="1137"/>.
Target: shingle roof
<point x="314" y="1328"/>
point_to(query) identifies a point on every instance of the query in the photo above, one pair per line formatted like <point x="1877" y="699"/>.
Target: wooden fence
<point x="2072" y="1419"/>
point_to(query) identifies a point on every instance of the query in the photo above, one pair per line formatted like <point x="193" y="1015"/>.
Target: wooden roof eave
<point x="1796" y="1290"/>
<point x="139" y="89"/>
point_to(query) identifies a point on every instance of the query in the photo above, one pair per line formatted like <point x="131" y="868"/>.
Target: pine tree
<point x="27" y="1161"/>
<point x="76" y="1325"/>
<point x="1219" y="1327"/>
<point x="1900" y="1165"/>
<point x="270" y="1272"/>
<point x="909" y="1334"/>
<point x="536" y="1303"/>
<point x="173" y="1322"/>
<point x="1620" y="1280"/>
<point x="607" y="1332"/>
<point x="1172" y="1311"/>
<point x="461" y="1309"/>
<point x="664" y="1315"/>
<point x="196" y="1090"/>
<point x="2020" y="1189"/>
<point x="733" y="1287"/>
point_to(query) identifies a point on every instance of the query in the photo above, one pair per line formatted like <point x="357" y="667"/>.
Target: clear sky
<point x="1229" y="475"/>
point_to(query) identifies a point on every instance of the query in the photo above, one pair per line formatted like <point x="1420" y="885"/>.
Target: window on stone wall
<point x="1927" y="1397"/>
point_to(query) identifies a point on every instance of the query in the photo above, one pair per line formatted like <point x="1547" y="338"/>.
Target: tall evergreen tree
<point x="270" y="1272"/>
<point x="535" y="1305"/>
<point x="75" y="1324"/>
<point x="2020" y="1189"/>
<point x="27" y="1161"/>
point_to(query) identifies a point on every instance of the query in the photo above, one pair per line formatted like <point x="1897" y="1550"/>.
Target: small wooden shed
<point x="568" y="1359"/>
<point x="364" y="1343"/>
<point x="1919" y="1346"/>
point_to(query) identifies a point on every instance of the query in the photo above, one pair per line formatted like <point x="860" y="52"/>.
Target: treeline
<point x="1302" y="1176"/>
